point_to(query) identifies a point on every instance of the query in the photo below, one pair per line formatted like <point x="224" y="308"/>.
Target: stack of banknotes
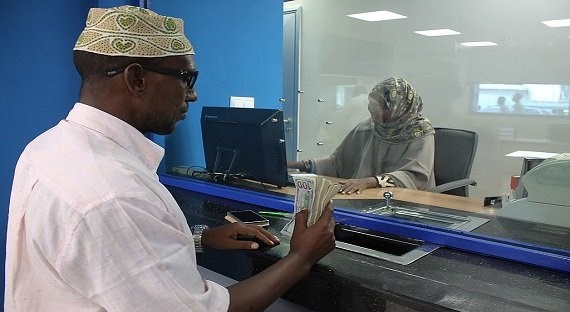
<point x="312" y="192"/>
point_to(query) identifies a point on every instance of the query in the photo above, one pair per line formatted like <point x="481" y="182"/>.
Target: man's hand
<point x="226" y="236"/>
<point x="357" y="185"/>
<point x="314" y="242"/>
<point x="308" y="245"/>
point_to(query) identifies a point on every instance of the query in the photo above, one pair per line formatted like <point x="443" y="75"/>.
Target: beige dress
<point x="363" y="154"/>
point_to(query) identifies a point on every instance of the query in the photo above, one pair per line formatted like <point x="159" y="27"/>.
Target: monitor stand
<point x="225" y="176"/>
<point x="220" y="153"/>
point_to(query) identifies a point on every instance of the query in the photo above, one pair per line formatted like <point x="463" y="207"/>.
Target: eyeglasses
<point x="189" y="77"/>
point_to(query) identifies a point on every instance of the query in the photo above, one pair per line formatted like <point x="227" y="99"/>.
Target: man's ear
<point x="135" y="80"/>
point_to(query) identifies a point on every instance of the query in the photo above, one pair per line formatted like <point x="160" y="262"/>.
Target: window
<point x="525" y="99"/>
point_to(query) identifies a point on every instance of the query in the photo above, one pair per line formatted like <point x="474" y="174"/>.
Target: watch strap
<point x="197" y="231"/>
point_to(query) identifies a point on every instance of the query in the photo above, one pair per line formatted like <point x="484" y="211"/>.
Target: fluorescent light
<point x="478" y="44"/>
<point x="437" y="32"/>
<point x="557" y="23"/>
<point x="377" y="16"/>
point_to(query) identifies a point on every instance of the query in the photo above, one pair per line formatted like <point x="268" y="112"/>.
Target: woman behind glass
<point x="392" y="148"/>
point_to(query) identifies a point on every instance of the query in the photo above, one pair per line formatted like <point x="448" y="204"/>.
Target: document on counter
<point x="312" y="192"/>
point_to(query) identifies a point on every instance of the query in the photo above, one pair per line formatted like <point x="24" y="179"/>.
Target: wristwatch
<point x="197" y="231"/>
<point x="384" y="181"/>
<point x="307" y="165"/>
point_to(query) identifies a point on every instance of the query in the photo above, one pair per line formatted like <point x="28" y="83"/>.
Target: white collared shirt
<point x="92" y="229"/>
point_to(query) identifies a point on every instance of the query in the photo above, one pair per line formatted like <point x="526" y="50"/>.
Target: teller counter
<point x="449" y="278"/>
<point x="377" y="194"/>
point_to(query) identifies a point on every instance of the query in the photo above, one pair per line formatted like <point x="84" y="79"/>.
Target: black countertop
<point x="446" y="279"/>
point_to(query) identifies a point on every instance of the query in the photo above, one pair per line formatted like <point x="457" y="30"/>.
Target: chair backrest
<point x="454" y="154"/>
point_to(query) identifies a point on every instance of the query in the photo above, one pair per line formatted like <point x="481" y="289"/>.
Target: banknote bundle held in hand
<point x="312" y="192"/>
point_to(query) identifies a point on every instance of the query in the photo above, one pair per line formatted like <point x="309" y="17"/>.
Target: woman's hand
<point x="357" y="185"/>
<point x="226" y="236"/>
<point x="295" y="165"/>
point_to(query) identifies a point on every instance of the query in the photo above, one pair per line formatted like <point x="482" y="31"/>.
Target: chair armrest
<point x="453" y="185"/>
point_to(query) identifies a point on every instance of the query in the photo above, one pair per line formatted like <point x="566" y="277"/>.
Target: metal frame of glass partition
<point x="541" y="256"/>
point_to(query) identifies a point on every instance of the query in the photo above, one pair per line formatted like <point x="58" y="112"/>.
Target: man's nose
<point x="191" y="95"/>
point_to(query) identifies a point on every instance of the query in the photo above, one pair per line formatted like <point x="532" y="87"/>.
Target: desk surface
<point x="401" y="194"/>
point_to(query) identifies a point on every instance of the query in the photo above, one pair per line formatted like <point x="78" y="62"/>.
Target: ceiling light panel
<point x="437" y="32"/>
<point x="377" y="16"/>
<point x="557" y="23"/>
<point x="478" y="44"/>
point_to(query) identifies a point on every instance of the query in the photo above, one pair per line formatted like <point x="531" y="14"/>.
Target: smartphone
<point x="246" y="216"/>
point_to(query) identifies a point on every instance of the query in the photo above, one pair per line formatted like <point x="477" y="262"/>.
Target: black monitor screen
<point x="249" y="142"/>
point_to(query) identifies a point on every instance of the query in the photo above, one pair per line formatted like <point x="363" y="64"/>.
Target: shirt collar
<point x="119" y="131"/>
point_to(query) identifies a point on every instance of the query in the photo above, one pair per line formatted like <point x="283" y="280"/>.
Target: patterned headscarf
<point x="406" y="122"/>
<point x="134" y="32"/>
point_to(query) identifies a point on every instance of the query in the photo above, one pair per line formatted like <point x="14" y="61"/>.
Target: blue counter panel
<point x="229" y="192"/>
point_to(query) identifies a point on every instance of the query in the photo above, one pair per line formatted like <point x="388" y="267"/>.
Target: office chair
<point x="454" y="154"/>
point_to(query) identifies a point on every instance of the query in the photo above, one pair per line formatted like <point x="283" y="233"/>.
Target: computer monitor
<point x="245" y="143"/>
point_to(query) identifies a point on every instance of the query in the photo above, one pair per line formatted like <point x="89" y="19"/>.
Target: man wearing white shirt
<point x="90" y="226"/>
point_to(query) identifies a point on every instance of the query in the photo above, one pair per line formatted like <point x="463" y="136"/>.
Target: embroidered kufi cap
<point x="134" y="32"/>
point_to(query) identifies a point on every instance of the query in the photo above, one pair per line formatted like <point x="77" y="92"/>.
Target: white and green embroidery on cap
<point x="133" y="31"/>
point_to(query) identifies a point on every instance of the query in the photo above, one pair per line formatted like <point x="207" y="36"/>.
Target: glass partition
<point x="514" y="49"/>
<point x="497" y="67"/>
<point x="501" y="71"/>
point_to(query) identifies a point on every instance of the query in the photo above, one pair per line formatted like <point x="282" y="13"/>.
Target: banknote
<point x="312" y="192"/>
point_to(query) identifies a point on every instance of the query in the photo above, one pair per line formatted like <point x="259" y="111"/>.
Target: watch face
<point x="198" y="228"/>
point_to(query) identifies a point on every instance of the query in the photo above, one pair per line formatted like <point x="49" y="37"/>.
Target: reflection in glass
<point x="528" y="99"/>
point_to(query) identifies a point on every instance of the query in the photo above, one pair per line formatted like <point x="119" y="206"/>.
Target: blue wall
<point x="238" y="47"/>
<point x="238" y="44"/>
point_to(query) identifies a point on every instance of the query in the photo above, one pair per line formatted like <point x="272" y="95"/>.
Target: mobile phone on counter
<point x="247" y="217"/>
